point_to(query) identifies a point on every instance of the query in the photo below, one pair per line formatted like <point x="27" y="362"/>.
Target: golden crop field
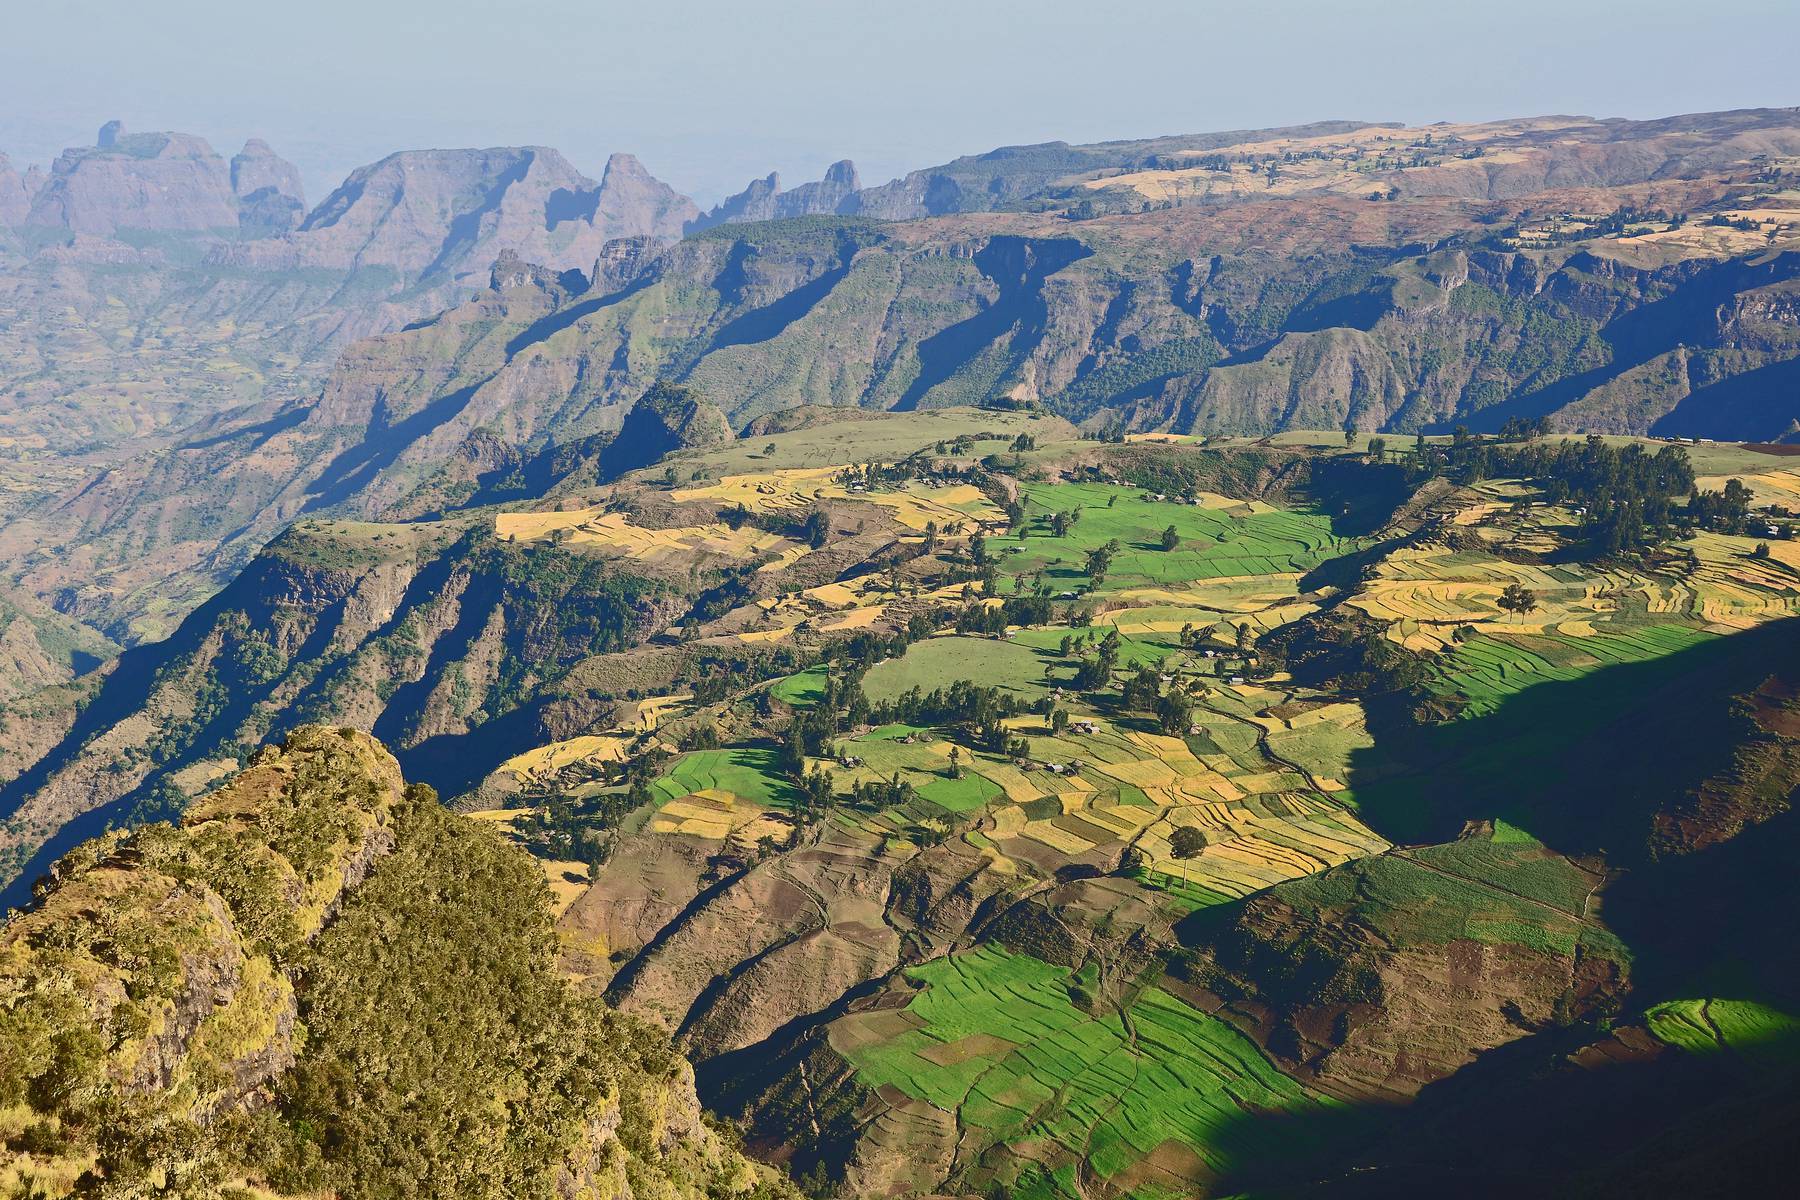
<point x="615" y="531"/>
<point x="915" y="505"/>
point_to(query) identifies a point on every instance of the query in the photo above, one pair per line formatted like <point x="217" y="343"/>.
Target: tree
<point x="1185" y="843"/>
<point x="816" y="529"/>
<point x="1059" y="720"/>
<point x="1378" y="449"/>
<point x="1761" y="551"/>
<point x="1174" y="713"/>
<point x="1099" y="560"/>
<point x="955" y="762"/>
<point x="1131" y="861"/>
<point x="1518" y="599"/>
<point x="1349" y="435"/>
<point x="1170" y="539"/>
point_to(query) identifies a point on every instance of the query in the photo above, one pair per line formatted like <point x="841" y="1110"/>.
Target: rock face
<point x="216" y="1021"/>
<point x="15" y="203"/>
<point x="764" y="200"/>
<point x="447" y="214"/>
<point x="333" y="622"/>
<point x="630" y="202"/>
<point x="267" y="187"/>
<point x="170" y="182"/>
<point x="170" y="982"/>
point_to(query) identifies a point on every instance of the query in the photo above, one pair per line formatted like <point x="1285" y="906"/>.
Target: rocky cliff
<point x="147" y="181"/>
<point x="428" y="635"/>
<point x="189" y="1008"/>
<point x="267" y="187"/>
<point x="427" y="213"/>
<point x="764" y="199"/>
<point x="15" y="201"/>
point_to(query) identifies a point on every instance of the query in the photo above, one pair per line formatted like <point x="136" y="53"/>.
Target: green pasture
<point x="750" y="772"/>
<point x="1714" y="1025"/>
<point x="941" y="661"/>
<point x="1104" y="1087"/>
<point x="801" y="690"/>
<point x="1488" y="669"/>
<point x="1214" y="543"/>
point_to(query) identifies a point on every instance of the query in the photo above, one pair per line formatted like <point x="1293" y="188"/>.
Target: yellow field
<point x="1768" y="487"/>
<point x="1429" y="591"/>
<point x="545" y="761"/>
<point x="652" y="710"/>
<point x="614" y="531"/>
<point x="914" y="505"/>
<point x="716" y="815"/>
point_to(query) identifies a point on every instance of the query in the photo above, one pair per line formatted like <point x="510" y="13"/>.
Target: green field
<point x="1215" y="542"/>
<point x="803" y="689"/>
<point x="939" y="662"/>
<point x="749" y="772"/>
<point x="1488" y="669"/>
<point x="1042" y="1083"/>
<point x="1496" y="890"/>
<point x="1740" y="1026"/>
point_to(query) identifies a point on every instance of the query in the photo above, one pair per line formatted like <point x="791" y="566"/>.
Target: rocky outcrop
<point x="267" y="187"/>
<point x="15" y="202"/>
<point x="169" y="983"/>
<point x="764" y="200"/>
<point x="165" y="182"/>
<point x="200" y="927"/>
<point x="667" y="418"/>
<point x="446" y="214"/>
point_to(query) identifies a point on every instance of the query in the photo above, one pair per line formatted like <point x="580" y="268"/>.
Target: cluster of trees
<point x="1143" y="692"/>
<point x="812" y="527"/>
<point x="1628" y="497"/>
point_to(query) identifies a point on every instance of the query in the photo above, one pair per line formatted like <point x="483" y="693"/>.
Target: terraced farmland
<point x="914" y="505"/>
<point x="749" y="772"/>
<point x="1486" y="670"/>
<point x="1150" y="1097"/>
<point x="1219" y="538"/>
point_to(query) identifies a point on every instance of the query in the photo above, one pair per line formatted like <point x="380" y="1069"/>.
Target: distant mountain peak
<point x="764" y="200"/>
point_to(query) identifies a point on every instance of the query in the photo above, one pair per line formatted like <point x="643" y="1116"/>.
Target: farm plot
<point x="614" y="532"/>
<point x="1103" y="785"/>
<point x="1488" y="668"/>
<point x="1713" y="1025"/>
<point x="914" y="505"/>
<point x="1039" y="1083"/>
<point x="1216" y="538"/>
<point x="747" y="772"/>
<point x="941" y="661"/>
<point x="542" y="765"/>
<point x="1429" y="592"/>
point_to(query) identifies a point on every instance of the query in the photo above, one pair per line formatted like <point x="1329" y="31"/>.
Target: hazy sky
<point x="711" y="92"/>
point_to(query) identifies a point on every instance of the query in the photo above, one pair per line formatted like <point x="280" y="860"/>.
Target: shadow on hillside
<point x="1017" y="267"/>
<point x="1524" y="1120"/>
<point x="1587" y="766"/>
<point x="1582" y="765"/>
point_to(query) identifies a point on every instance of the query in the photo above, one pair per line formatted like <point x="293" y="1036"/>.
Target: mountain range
<point x="1257" y="663"/>
<point x="224" y="360"/>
